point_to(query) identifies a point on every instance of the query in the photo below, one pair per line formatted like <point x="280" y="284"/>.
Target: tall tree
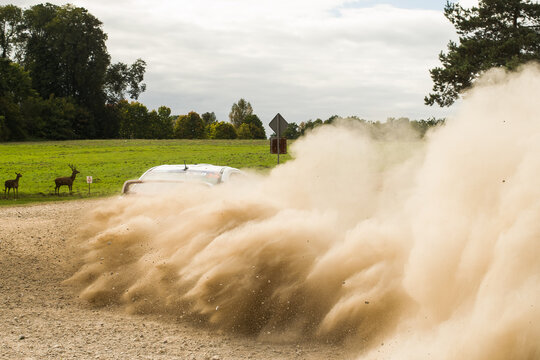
<point x="122" y="80"/>
<point x="66" y="53"/>
<point x="497" y="33"/>
<point x="10" y="29"/>
<point x="239" y="111"/>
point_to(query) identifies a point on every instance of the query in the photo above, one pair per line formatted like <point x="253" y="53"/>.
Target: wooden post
<point x="278" y="138"/>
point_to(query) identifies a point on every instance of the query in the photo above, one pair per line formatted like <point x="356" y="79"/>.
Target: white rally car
<point x="158" y="178"/>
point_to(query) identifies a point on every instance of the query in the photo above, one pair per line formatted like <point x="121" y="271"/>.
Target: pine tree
<point x="497" y="33"/>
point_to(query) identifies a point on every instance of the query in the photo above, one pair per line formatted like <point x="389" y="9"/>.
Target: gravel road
<point x="42" y="318"/>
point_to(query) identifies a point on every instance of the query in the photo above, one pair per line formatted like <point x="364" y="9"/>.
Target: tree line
<point x="244" y="124"/>
<point x="57" y="81"/>
<point x="392" y="129"/>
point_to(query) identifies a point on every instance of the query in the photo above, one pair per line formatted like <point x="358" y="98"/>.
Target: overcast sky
<point x="306" y="59"/>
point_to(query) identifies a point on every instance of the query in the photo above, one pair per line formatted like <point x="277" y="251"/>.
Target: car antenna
<point x="185" y="166"/>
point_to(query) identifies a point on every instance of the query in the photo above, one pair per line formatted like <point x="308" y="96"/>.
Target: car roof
<point x="190" y="168"/>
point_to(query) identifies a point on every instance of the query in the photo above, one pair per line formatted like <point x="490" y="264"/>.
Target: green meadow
<point x="111" y="162"/>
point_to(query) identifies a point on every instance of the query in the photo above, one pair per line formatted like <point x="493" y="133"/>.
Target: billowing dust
<point x="418" y="250"/>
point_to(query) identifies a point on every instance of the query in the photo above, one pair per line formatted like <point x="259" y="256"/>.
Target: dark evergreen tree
<point x="497" y="33"/>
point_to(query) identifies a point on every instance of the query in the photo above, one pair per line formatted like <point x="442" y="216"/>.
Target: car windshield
<point x="181" y="175"/>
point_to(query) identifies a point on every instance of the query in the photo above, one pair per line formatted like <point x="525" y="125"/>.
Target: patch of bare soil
<point x="42" y="318"/>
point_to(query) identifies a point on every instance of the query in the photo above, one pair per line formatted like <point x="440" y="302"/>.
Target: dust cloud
<point x="403" y="250"/>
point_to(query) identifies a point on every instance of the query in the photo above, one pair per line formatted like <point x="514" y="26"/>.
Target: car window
<point x="172" y="174"/>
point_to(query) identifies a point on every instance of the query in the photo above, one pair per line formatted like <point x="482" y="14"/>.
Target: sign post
<point x="89" y="181"/>
<point x="279" y="125"/>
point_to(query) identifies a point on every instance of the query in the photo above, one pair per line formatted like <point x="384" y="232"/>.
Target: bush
<point x="221" y="130"/>
<point x="189" y="126"/>
<point x="256" y="128"/>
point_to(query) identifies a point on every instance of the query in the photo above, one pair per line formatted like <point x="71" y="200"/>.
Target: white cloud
<point x="305" y="59"/>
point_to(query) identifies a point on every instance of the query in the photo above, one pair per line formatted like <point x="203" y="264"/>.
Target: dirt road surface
<point x="42" y="318"/>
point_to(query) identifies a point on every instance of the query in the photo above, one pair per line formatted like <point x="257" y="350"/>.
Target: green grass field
<point x="111" y="162"/>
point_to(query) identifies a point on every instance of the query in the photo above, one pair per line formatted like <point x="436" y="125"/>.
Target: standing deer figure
<point x="12" y="184"/>
<point x="68" y="180"/>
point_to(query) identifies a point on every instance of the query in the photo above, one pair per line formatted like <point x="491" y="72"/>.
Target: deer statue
<point x="12" y="184"/>
<point x="68" y="180"/>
